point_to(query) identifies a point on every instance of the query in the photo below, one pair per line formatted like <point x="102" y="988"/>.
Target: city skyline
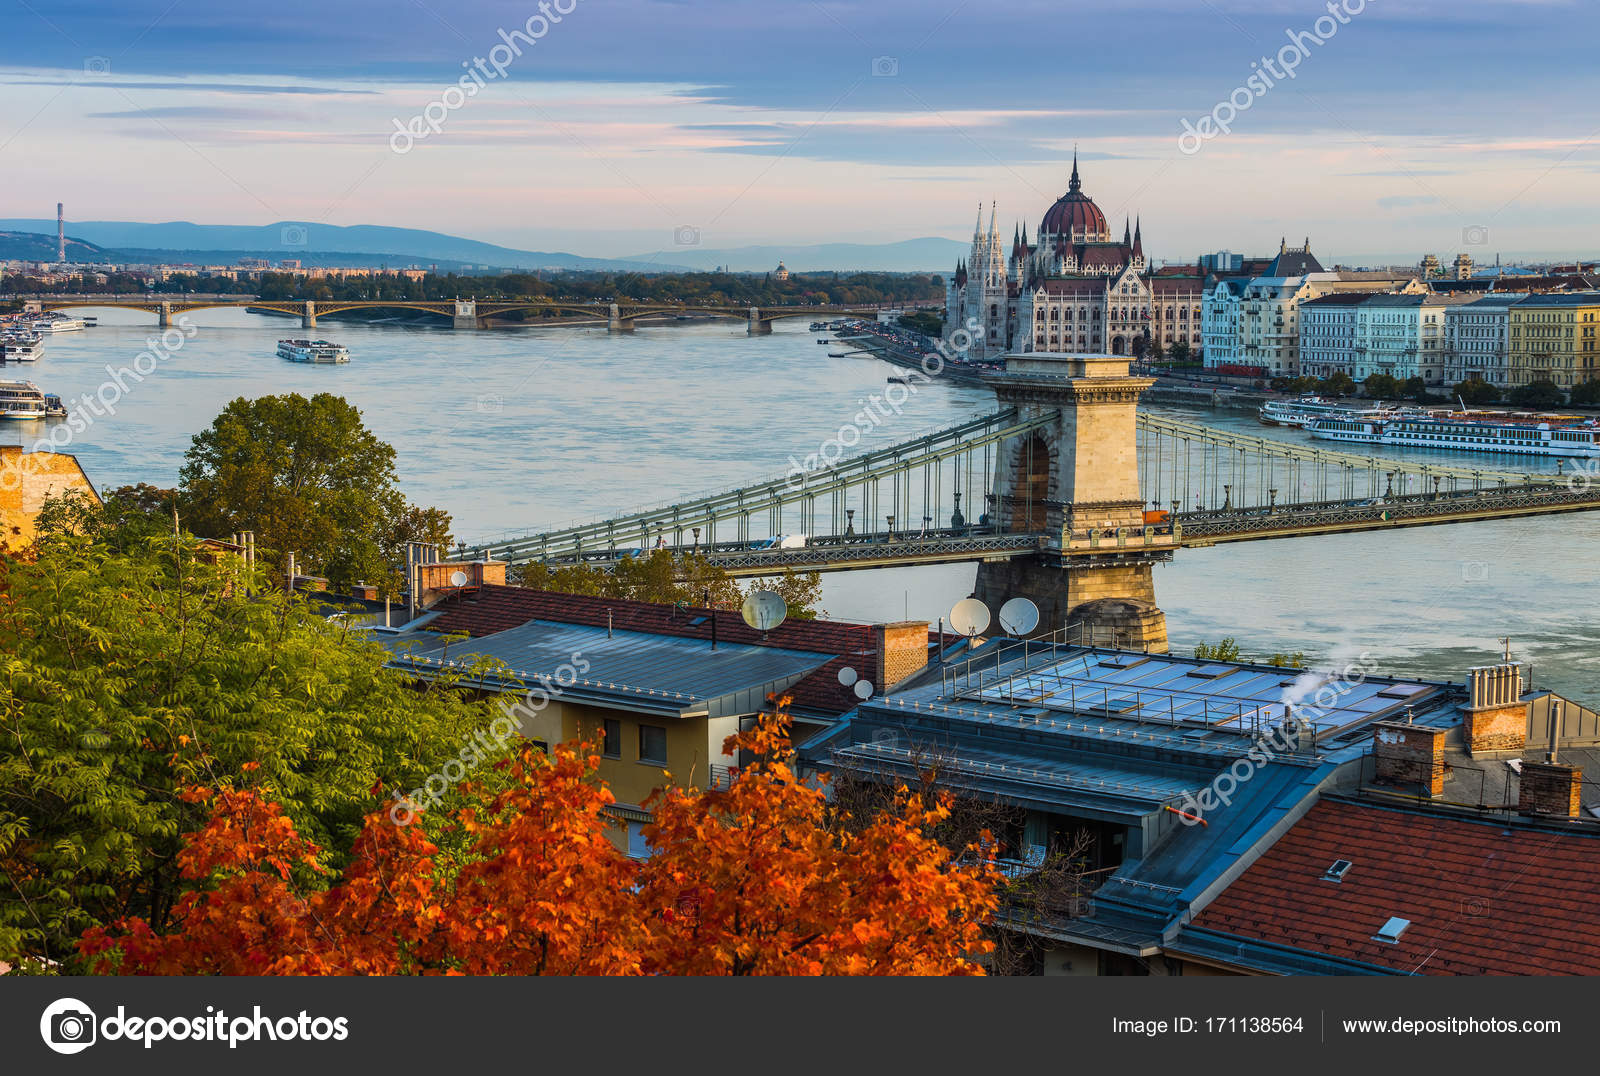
<point x="622" y="124"/>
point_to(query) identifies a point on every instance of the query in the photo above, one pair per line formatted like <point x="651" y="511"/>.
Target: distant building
<point x="1476" y="339"/>
<point x="781" y="272"/>
<point x="27" y="479"/>
<point x="1552" y="337"/>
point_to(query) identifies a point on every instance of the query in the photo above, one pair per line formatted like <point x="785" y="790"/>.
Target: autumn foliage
<point x="753" y="879"/>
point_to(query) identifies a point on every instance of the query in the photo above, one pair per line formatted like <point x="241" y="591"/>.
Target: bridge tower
<point x="616" y="323"/>
<point x="308" y="316"/>
<point x="466" y="314"/>
<point x="1076" y="481"/>
<point x="163" y="314"/>
<point x="755" y="326"/>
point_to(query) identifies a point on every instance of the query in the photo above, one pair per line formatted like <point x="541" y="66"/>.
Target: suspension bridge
<point x="1066" y="494"/>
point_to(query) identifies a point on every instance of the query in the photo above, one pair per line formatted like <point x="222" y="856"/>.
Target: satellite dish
<point x="1019" y="616"/>
<point x="763" y="610"/>
<point x="969" y="617"/>
<point x="458" y="578"/>
<point x="847" y="676"/>
<point x="863" y="689"/>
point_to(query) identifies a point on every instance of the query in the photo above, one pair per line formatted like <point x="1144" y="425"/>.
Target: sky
<point x="618" y="127"/>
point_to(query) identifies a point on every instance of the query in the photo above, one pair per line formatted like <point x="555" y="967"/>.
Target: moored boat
<point x="317" y="351"/>
<point x="1497" y="432"/>
<point x="25" y="400"/>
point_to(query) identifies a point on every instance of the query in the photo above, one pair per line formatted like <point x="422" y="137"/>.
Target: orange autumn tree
<point x="748" y="880"/>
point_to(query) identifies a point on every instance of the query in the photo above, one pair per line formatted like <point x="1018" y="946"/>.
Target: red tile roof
<point x="1483" y="898"/>
<point x="490" y="609"/>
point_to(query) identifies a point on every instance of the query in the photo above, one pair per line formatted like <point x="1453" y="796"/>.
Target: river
<point x="524" y="429"/>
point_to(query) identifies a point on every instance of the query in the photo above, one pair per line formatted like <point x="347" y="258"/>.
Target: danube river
<point x="524" y="429"/>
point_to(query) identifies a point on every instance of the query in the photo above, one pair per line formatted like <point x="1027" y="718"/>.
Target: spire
<point x="991" y="219"/>
<point x="1138" y="239"/>
<point x="1127" y="236"/>
<point x="977" y="227"/>
<point x="1074" y="184"/>
<point x="1024" y="235"/>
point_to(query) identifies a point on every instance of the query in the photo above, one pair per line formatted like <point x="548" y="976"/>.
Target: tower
<point x="1075" y="482"/>
<point x="61" y="233"/>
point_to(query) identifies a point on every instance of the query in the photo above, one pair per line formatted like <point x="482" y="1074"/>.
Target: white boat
<point x="319" y="351"/>
<point x="21" y="346"/>
<point x="54" y="322"/>
<point x="25" y="400"/>
<point x="1305" y="409"/>
<point x="1501" y="433"/>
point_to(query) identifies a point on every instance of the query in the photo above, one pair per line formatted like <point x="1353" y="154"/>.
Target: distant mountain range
<point x="366" y="244"/>
<point x="312" y="242"/>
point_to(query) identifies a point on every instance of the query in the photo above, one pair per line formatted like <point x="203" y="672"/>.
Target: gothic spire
<point x="1127" y="236"/>
<point x="1138" y="239"/>
<point x="1074" y="184"/>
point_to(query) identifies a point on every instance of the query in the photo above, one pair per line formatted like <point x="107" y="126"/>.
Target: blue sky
<point x="798" y="122"/>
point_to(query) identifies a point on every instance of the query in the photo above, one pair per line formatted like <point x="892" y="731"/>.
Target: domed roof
<point x="1074" y="212"/>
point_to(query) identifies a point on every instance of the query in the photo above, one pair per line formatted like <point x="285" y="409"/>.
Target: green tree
<point x="1537" y="394"/>
<point x="1476" y="391"/>
<point x="1226" y="650"/>
<point x="1415" y="388"/>
<point x="308" y="478"/>
<point x="1180" y="352"/>
<point x="1380" y="387"/>
<point x="124" y="676"/>
<point x="1586" y="394"/>
<point x="1338" y="384"/>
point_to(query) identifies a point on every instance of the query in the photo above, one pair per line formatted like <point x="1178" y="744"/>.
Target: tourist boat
<point x="55" y="322"/>
<point x="319" y="351"/>
<point x="24" y="399"/>
<point x="1499" y="432"/>
<point x="20" y="345"/>
<point x="1302" y="410"/>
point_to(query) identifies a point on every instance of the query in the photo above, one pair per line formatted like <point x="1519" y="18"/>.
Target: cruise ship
<point x="1520" y="434"/>
<point x="320" y="351"/>
<point x="24" y="399"/>
<point x="55" y="322"/>
<point x="20" y="345"/>
<point x="1303" y="410"/>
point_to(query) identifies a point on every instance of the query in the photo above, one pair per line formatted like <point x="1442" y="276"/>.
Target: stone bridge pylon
<point x="1076" y="480"/>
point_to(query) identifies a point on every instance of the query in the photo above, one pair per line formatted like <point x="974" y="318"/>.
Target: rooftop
<point x="1481" y="897"/>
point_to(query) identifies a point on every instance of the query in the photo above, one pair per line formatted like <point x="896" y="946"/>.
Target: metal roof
<point x="624" y="669"/>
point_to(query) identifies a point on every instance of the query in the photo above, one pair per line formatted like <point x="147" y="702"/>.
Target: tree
<point x="1586" y="393"/>
<point x="750" y="880"/>
<point x="1415" y="388"/>
<point x="1338" y="384"/>
<point x="1180" y="352"/>
<point x="1380" y="387"/>
<point x="1476" y="391"/>
<point x="1537" y="394"/>
<point x="1226" y="650"/>
<point x="125" y="676"/>
<point x="308" y="478"/>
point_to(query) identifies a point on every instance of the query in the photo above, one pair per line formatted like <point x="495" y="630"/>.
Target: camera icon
<point x="1473" y="908"/>
<point x="491" y="404"/>
<point x="68" y="1026"/>
<point x="885" y="66"/>
<point x="98" y="66"/>
<point x="1474" y="571"/>
<point x="294" y="235"/>
<point x="1580" y="480"/>
<point x="686" y="236"/>
<point x="1475" y="235"/>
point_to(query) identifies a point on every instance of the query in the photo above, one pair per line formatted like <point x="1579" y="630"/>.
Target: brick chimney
<point x="364" y="592"/>
<point x="1497" y="716"/>
<point x="1409" y="756"/>
<point x="1550" y="788"/>
<point x="902" y="651"/>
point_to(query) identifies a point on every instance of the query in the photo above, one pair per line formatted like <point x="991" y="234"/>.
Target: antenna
<point x="1019" y="616"/>
<point x="458" y="578"/>
<point x="969" y="617"/>
<point x="764" y="610"/>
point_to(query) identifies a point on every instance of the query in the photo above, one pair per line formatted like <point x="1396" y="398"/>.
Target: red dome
<point x="1074" y="214"/>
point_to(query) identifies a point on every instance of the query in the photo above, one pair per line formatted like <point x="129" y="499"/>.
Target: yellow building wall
<point x="26" y="480"/>
<point x="1560" y="344"/>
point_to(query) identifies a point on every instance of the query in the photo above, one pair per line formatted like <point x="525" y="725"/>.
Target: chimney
<point x="61" y="233"/>
<point x="1410" y="756"/>
<point x="1497" y="717"/>
<point x="1549" y="788"/>
<point x="364" y="592"/>
<point x="902" y="651"/>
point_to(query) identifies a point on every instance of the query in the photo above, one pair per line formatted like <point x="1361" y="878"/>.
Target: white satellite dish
<point x="847" y="676"/>
<point x="1019" y="616"/>
<point x="763" y="610"/>
<point x="863" y="689"/>
<point x="969" y="617"/>
<point x="458" y="578"/>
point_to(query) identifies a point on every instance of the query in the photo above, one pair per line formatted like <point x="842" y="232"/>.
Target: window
<point x="611" y="746"/>
<point x="653" y="744"/>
